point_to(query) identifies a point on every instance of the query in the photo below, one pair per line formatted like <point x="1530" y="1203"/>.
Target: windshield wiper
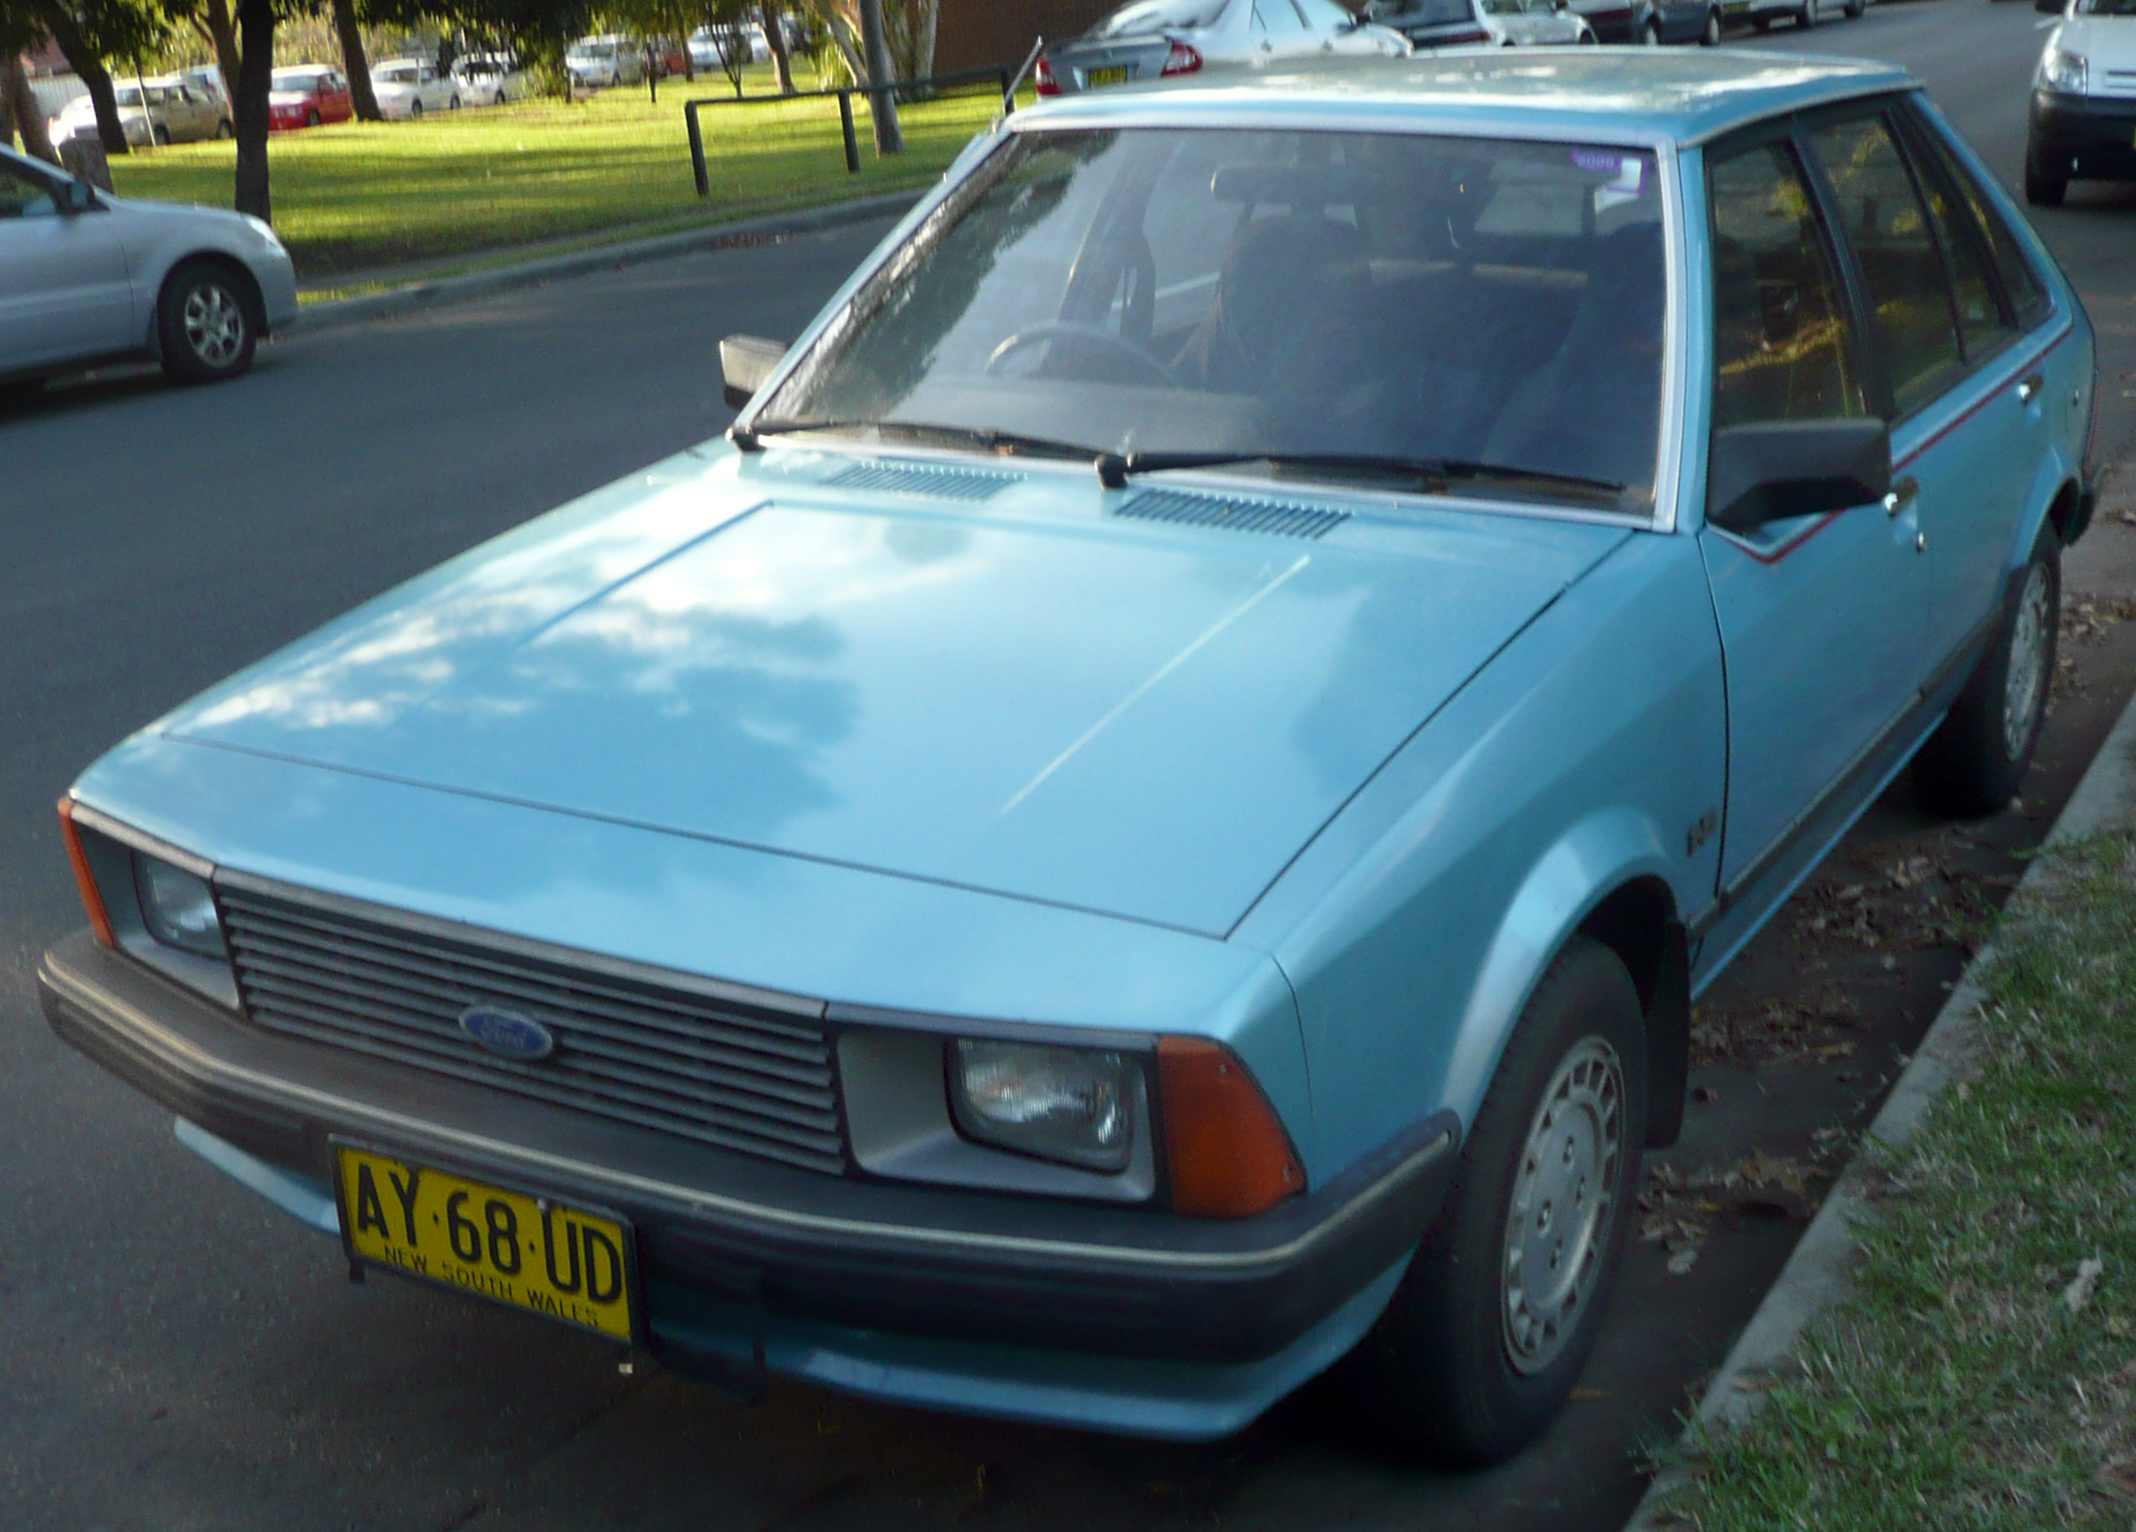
<point x="984" y="437"/>
<point x="1431" y="474"/>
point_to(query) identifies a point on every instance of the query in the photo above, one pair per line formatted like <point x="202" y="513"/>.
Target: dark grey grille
<point x="1280" y="518"/>
<point x="912" y="479"/>
<point x="724" y="1073"/>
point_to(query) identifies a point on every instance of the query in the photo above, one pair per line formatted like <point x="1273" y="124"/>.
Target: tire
<point x="453" y="105"/>
<point x="1806" y="18"/>
<point x="162" y="137"/>
<point x="206" y="323"/>
<point x="311" y="118"/>
<point x="1975" y="762"/>
<point x="415" y="109"/>
<point x="1458" y="1370"/>
<point x="500" y="99"/>
<point x="1650" y="34"/>
<point x="1855" y="9"/>
<point x="21" y="393"/>
<point x="1761" y="24"/>
<point x="2045" y="186"/>
<point x="224" y="130"/>
<point x="1711" y="36"/>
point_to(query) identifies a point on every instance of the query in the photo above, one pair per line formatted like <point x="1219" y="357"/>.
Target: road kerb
<point x="417" y="296"/>
<point x="1820" y="1272"/>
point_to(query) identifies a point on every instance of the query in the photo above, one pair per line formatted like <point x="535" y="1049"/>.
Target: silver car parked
<point x="1153" y="39"/>
<point x="166" y="110"/>
<point x="86" y="277"/>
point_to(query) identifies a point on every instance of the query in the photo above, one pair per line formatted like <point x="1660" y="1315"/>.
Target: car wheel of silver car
<point x="1650" y="34"/>
<point x="1711" y="36"/>
<point x="162" y="136"/>
<point x="205" y="324"/>
<point x="1807" y="16"/>
<point x="415" y="108"/>
<point x="1494" y="1320"/>
<point x="223" y="129"/>
<point x="1976" y="761"/>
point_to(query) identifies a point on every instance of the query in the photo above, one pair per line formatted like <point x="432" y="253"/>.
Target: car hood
<point x="1034" y="697"/>
<point x="2109" y="42"/>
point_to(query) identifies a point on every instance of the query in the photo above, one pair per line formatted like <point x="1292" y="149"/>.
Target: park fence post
<point x="845" y="122"/>
<point x="697" y="151"/>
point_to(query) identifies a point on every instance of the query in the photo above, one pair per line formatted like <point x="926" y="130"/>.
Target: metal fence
<point x="941" y="106"/>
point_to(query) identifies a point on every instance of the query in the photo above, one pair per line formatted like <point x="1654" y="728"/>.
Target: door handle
<point x="2029" y="389"/>
<point x="1902" y="494"/>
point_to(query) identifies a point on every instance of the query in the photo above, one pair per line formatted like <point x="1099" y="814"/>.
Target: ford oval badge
<point x="507" y="1033"/>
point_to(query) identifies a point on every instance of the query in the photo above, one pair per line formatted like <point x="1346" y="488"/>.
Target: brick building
<point x="971" y="34"/>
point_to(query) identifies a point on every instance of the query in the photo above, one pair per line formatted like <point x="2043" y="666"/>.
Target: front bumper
<point x="1114" y="1318"/>
<point x="2092" y="136"/>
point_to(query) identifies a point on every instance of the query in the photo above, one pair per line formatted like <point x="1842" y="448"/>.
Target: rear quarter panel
<point x="1416" y="925"/>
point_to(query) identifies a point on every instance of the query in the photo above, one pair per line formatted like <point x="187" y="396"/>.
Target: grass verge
<point x="1983" y="1376"/>
<point x="363" y="195"/>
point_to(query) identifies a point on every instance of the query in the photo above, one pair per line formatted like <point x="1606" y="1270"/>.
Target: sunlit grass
<point x="366" y="194"/>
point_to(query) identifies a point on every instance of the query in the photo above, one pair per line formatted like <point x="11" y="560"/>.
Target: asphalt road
<point x="177" y="1355"/>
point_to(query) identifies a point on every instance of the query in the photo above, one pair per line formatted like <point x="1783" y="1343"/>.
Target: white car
<point x="1154" y="39"/>
<point x="490" y="79"/>
<point x="2083" y="99"/>
<point x="411" y="87"/>
<point x="86" y="277"/>
<point x="596" y="62"/>
<point x="163" y="110"/>
<point x="1532" y="23"/>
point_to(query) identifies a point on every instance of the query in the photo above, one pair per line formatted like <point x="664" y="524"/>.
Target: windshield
<point x="1273" y="295"/>
<point x="127" y="96"/>
<point x="397" y="76"/>
<point x="1159" y="16"/>
<point x="296" y="79"/>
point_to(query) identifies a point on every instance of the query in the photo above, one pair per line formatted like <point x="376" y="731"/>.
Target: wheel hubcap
<point x="1564" y="1205"/>
<point x="214" y="325"/>
<point x="2025" y="677"/>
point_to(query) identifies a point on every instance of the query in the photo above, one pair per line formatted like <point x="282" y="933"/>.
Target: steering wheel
<point x="1152" y="370"/>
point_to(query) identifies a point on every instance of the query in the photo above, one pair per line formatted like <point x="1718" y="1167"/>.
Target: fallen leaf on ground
<point x="2079" y="1292"/>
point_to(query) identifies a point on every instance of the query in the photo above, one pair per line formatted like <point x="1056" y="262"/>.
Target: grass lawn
<point x="367" y="194"/>
<point x="1984" y="1376"/>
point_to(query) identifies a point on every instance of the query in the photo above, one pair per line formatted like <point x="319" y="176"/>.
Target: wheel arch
<point x="248" y="285"/>
<point x="1607" y="879"/>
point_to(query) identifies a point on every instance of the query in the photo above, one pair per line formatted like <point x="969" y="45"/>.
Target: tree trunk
<point x="222" y="36"/>
<point x="85" y="63"/>
<point x="19" y="112"/>
<point x="255" y="75"/>
<point x="882" y="101"/>
<point x="923" y="51"/>
<point x="775" y="33"/>
<point x="353" y="62"/>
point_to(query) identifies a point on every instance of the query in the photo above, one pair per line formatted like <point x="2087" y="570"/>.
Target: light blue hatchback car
<point x="1149" y="822"/>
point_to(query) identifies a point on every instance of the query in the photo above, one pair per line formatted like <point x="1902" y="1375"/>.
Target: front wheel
<point x="2046" y="182"/>
<point x="415" y="109"/>
<point x="223" y="129"/>
<point x="1807" y="16"/>
<point x="1855" y="9"/>
<point x="1976" y="760"/>
<point x="1711" y="36"/>
<point x="311" y="118"/>
<point x="1497" y="1313"/>
<point x="204" y="323"/>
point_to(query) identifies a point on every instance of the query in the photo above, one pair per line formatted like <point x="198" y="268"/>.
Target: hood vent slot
<point x="1236" y="513"/>
<point x="941" y="483"/>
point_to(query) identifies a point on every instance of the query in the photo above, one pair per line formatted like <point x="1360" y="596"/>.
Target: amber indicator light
<point x="1227" y="1155"/>
<point x="99" y="922"/>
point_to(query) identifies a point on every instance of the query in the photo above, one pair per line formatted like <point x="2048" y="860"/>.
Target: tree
<point x="248" y="104"/>
<point x="882" y="101"/>
<point x="362" y="98"/>
<point x="90" y="31"/>
<point x="19" y="112"/>
<point x="775" y="33"/>
<point x="211" y="19"/>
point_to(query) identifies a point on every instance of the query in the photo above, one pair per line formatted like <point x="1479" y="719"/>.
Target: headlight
<point x="2064" y="72"/>
<point x="264" y="230"/>
<point x="1074" y="1105"/>
<point x="177" y="907"/>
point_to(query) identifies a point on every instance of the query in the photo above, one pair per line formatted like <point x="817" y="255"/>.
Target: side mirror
<point x="77" y="197"/>
<point x="1784" y="468"/>
<point x="745" y="361"/>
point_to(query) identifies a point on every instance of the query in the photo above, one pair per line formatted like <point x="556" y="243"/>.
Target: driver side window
<point x="22" y="196"/>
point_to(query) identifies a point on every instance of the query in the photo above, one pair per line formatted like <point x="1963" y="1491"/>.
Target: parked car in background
<point x="411" y="87"/>
<point x="2083" y="118"/>
<point x="160" y="110"/>
<point x="668" y="57"/>
<point x="207" y="79"/>
<point x="598" y="63"/>
<point x="307" y="96"/>
<point x="86" y="278"/>
<point x="1160" y="39"/>
<point x="1508" y="23"/>
<point x="711" y="46"/>
<point x="490" y="79"/>
<point x="1152" y="818"/>
<point x="1803" y="13"/>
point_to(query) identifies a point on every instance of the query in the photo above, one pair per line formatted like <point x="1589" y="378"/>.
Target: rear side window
<point x="1781" y="347"/>
<point x="1981" y="323"/>
<point x="2028" y="297"/>
<point x="1882" y="218"/>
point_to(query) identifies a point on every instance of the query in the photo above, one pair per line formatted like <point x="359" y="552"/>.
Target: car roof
<point x="1612" y="95"/>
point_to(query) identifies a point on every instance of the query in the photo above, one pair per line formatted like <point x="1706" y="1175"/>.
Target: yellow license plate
<point x="529" y="1252"/>
<point x="1114" y="76"/>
